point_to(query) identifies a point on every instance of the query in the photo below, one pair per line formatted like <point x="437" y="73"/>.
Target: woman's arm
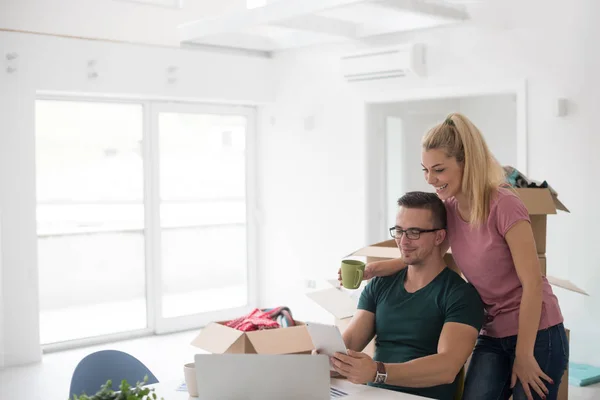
<point x="384" y="267"/>
<point x="526" y="369"/>
<point x="379" y="268"/>
<point x="393" y="265"/>
<point x="522" y="247"/>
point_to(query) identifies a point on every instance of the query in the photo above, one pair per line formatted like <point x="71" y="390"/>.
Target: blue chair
<point x="95" y="369"/>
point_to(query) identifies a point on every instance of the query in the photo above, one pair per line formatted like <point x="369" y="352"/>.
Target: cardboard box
<point x="218" y="338"/>
<point x="540" y="203"/>
<point x="542" y="260"/>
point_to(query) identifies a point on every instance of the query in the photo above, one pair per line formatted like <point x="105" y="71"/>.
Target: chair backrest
<point x="95" y="369"/>
<point x="460" y="387"/>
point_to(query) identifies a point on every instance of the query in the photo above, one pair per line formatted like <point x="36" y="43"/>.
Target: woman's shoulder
<point x="504" y="194"/>
<point x="506" y="200"/>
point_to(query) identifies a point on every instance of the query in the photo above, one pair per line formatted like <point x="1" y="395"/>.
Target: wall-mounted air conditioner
<point x="401" y="61"/>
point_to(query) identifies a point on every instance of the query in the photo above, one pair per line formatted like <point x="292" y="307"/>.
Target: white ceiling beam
<point x="322" y="25"/>
<point x="245" y="19"/>
<point x="243" y="41"/>
<point x="438" y="10"/>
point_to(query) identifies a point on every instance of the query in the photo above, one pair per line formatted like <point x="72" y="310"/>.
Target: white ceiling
<point x="119" y="20"/>
<point x="280" y="25"/>
<point x="285" y="24"/>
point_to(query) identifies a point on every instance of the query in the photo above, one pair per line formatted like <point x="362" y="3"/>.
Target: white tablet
<point x="327" y="339"/>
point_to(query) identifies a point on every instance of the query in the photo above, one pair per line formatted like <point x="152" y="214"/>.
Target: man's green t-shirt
<point x="408" y="325"/>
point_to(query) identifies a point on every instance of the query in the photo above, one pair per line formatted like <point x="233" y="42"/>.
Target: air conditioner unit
<point x="385" y="63"/>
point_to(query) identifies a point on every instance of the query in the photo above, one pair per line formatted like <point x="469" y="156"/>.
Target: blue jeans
<point x="490" y="369"/>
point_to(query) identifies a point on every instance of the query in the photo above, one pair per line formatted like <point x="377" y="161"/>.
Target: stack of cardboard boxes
<point x="540" y="202"/>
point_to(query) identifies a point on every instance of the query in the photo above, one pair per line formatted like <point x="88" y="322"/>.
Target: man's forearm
<point x="354" y="342"/>
<point x="529" y="318"/>
<point x="437" y="369"/>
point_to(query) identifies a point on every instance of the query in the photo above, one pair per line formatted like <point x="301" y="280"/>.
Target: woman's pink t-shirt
<point x="483" y="256"/>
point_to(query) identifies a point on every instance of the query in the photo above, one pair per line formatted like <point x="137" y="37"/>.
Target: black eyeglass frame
<point x="414" y="232"/>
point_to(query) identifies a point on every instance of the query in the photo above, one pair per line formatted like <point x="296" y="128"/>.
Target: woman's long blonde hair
<point x="482" y="173"/>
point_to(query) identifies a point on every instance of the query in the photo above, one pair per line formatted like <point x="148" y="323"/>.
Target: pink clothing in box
<point x="482" y="254"/>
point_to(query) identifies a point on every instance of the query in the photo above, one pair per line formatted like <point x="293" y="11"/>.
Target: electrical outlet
<point x="311" y="284"/>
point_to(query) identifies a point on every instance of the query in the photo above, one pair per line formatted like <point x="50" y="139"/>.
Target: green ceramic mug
<point x="352" y="273"/>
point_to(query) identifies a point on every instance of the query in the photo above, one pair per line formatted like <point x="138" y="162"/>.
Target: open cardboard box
<point x="218" y="338"/>
<point x="540" y="202"/>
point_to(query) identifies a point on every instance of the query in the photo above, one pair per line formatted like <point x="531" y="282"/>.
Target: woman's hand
<point x="529" y="373"/>
<point x="369" y="272"/>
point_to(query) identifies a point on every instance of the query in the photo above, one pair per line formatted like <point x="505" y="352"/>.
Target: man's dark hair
<point x="426" y="201"/>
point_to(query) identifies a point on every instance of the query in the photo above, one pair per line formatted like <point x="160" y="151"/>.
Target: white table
<point x="168" y="390"/>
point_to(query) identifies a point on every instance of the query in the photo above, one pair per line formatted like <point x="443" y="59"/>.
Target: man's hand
<point x="357" y="367"/>
<point x="332" y="374"/>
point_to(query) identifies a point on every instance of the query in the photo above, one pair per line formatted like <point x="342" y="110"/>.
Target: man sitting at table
<point x="426" y="317"/>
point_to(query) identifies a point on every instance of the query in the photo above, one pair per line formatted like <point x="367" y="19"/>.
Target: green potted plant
<point x="125" y="392"/>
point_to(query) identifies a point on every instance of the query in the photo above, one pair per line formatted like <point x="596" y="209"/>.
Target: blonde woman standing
<point x="522" y="349"/>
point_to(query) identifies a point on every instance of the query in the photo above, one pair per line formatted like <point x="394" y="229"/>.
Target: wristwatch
<point x="381" y="375"/>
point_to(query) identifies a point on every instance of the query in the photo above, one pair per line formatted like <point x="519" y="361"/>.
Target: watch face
<point x="380" y="378"/>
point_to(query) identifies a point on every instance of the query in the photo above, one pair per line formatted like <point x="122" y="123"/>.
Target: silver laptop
<point x="264" y="377"/>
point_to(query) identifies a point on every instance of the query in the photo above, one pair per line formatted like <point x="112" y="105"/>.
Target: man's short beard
<point x="417" y="262"/>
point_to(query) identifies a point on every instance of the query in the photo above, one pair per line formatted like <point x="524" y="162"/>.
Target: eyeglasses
<point x="411" y="233"/>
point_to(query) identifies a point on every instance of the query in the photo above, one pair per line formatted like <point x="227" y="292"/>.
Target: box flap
<point x="568" y="285"/>
<point x="385" y="249"/>
<point x="540" y="201"/>
<point x="241" y="346"/>
<point x="560" y="205"/>
<point x="335" y="301"/>
<point x="216" y="338"/>
<point x="290" y="340"/>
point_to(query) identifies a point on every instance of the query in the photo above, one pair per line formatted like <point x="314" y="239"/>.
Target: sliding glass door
<point x="202" y="251"/>
<point x="144" y="217"/>
<point x="90" y="219"/>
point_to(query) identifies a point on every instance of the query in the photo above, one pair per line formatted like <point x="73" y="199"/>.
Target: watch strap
<point x="381" y="375"/>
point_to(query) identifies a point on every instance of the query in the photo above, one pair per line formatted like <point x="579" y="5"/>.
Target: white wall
<point x="496" y="118"/>
<point x="1" y="301"/>
<point x="312" y="168"/>
<point x="57" y="64"/>
<point x="396" y="181"/>
<point x="508" y="41"/>
<point x="418" y="117"/>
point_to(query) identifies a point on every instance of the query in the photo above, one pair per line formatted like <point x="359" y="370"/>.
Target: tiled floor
<point x="164" y="355"/>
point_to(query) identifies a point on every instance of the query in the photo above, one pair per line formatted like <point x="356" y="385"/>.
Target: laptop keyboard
<point x="336" y="393"/>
